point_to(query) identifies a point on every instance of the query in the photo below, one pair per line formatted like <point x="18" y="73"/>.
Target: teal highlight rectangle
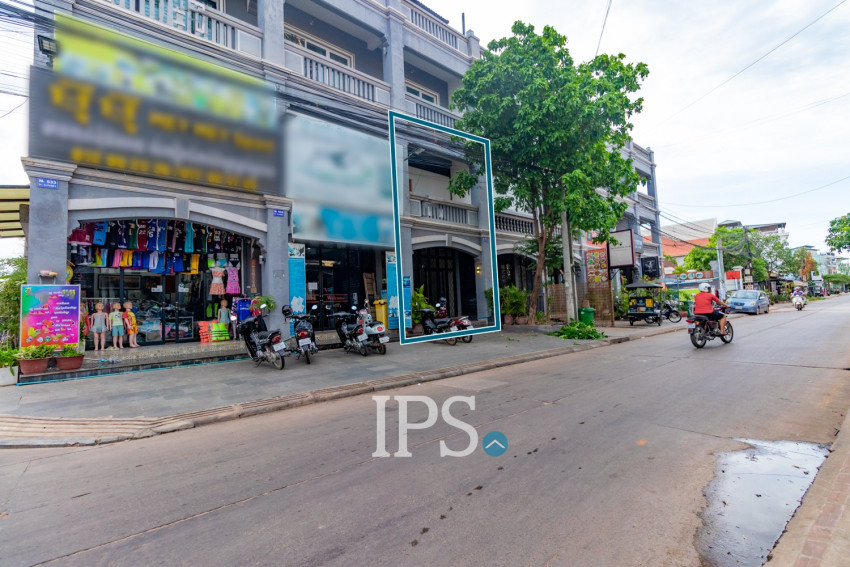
<point x="403" y="338"/>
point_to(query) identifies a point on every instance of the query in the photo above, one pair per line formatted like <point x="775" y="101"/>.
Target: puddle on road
<point x="752" y="497"/>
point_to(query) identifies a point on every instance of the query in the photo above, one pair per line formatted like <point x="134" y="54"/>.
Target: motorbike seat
<point x="350" y="328"/>
<point x="443" y="321"/>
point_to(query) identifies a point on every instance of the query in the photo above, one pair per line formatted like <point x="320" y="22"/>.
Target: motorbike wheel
<point x="452" y="341"/>
<point x="307" y="356"/>
<point x="730" y="333"/>
<point x="674" y="316"/>
<point x="698" y="337"/>
<point x="799" y="307"/>
<point x="276" y="359"/>
<point x="361" y="348"/>
<point x="382" y="349"/>
<point x="467" y="339"/>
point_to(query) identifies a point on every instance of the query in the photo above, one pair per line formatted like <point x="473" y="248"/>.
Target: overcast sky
<point x="776" y="130"/>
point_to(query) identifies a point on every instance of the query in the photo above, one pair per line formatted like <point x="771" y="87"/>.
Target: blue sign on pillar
<point x="297" y="281"/>
<point x="405" y="284"/>
<point x="392" y="293"/>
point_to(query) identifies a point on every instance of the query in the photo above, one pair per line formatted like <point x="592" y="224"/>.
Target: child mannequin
<point x="116" y="324"/>
<point x="98" y="324"/>
<point x="130" y="324"/>
<point x="224" y="314"/>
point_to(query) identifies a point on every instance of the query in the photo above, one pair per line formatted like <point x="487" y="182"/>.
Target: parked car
<point x="750" y="301"/>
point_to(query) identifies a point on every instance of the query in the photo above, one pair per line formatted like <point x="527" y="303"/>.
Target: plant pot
<point x="417" y="329"/>
<point x="33" y="365"/>
<point x="69" y="362"/>
<point x="521" y="320"/>
<point x="509" y="319"/>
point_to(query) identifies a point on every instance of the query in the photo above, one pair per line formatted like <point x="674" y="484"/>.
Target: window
<point x="319" y="47"/>
<point x="424" y="94"/>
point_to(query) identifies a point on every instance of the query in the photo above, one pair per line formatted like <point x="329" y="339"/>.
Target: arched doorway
<point x="449" y="273"/>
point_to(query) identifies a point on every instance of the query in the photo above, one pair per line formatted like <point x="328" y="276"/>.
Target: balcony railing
<point x="465" y="215"/>
<point x="431" y="112"/>
<point x="430" y="25"/>
<point x="337" y="77"/>
<point x="516" y="225"/>
<point x="198" y="20"/>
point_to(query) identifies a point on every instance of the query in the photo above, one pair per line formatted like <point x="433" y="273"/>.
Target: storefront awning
<point x="11" y="199"/>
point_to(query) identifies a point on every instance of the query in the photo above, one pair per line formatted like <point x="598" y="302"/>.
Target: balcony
<point x="431" y="112"/>
<point x="195" y="19"/>
<point x="335" y="76"/>
<point x="514" y="225"/>
<point x="462" y="215"/>
<point x="432" y="26"/>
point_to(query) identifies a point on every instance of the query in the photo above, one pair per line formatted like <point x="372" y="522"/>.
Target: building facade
<point x="331" y="70"/>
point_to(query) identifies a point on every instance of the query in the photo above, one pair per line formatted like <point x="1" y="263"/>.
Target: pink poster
<point x="50" y="315"/>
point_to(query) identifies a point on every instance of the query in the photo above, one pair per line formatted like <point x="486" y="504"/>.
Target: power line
<point x="769" y="200"/>
<point x="783" y="42"/>
<point x="608" y="9"/>
<point x="16" y="108"/>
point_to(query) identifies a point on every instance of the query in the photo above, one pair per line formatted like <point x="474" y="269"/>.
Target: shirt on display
<point x="178" y="240"/>
<point x="161" y="235"/>
<point x="112" y="235"/>
<point x="100" y="229"/>
<point x="133" y="235"/>
<point x="142" y="235"/>
<point x="123" y="235"/>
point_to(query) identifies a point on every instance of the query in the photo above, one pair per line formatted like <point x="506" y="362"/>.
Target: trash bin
<point x="689" y="305"/>
<point x="585" y="315"/>
<point x="381" y="311"/>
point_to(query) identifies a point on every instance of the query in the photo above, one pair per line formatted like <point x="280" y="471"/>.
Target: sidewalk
<point x="110" y="408"/>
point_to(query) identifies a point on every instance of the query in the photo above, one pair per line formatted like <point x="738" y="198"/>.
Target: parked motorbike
<point x="460" y="323"/>
<point x="262" y="345"/>
<point x="376" y="332"/>
<point x="351" y="334"/>
<point x="670" y="312"/>
<point x="303" y="341"/>
<point x="432" y="324"/>
<point x="702" y="329"/>
<point x="798" y="302"/>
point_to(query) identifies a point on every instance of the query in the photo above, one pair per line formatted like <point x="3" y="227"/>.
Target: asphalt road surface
<point x="609" y="453"/>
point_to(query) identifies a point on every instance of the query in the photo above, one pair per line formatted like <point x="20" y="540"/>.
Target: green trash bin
<point x="585" y="315"/>
<point x="689" y="305"/>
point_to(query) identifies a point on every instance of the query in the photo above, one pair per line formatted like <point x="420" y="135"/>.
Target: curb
<point x="18" y="432"/>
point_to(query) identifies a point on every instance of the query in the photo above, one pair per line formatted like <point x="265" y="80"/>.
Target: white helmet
<point x="704" y="287"/>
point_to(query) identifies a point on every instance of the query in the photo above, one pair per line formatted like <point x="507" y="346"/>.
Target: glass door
<point x="149" y="309"/>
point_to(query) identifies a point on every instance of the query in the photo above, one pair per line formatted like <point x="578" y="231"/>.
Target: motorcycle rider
<point x="798" y="292"/>
<point x="704" y="305"/>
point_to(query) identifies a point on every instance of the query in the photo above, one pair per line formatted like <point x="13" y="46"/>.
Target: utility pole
<point x="720" y="268"/>
<point x="748" y="272"/>
<point x="569" y="275"/>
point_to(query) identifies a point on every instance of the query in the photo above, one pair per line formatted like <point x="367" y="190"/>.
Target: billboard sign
<point x="622" y="254"/>
<point x="50" y="315"/>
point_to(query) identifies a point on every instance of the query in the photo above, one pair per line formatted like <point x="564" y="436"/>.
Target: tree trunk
<point x="542" y="238"/>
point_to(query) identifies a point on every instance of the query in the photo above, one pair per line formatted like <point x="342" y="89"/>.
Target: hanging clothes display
<point x="233" y="281"/>
<point x="217" y="285"/>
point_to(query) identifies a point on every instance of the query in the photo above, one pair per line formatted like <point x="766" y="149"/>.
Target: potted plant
<point x="418" y="301"/>
<point x="69" y="358"/>
<point x="7" y="358"/>
<point x="514" y="303"/>
<point x="34" y="359"/>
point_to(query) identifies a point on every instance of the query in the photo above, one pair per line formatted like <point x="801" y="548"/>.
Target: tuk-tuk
<point x="645" y="304"/>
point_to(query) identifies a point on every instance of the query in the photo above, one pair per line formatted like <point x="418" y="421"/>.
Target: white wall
<point x="435" y="186"/>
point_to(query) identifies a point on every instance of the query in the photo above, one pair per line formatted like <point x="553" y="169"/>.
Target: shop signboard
<point x="597" y="266"/>
<point x="50" y="315"/>
<point x="407" y="295"/>
<point x="622" y="254"/>
<point x="113" y="102"/>
<point x="650" y="266"/>
<point x="297" y="278"/>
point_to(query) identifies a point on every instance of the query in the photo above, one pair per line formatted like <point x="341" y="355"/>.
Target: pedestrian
<point x="98" y="324"/>
<point x="116" y="325"/>
<point x="130" y="325"/>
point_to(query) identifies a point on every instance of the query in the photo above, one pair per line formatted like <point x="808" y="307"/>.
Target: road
<point x="609" y="453"/>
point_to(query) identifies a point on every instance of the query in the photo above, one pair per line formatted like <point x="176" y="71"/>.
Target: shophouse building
<point x="331" y="70"/>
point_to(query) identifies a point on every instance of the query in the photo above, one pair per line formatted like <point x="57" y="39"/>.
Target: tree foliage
<point x="13" y="273"/>
<point x="556" y="129"/>
<point x="839" y="233"/>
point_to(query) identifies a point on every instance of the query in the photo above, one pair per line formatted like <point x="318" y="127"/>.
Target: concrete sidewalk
<point x="104" y="409"/>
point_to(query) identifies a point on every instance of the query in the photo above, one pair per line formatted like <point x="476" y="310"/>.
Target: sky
<point x="768" y="145"/>
<point x="775" y="130"/>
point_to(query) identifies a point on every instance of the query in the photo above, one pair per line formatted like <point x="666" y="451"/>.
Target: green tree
<point x="839" y="233"/>
<point x="774" y="251"/>
<point x="13" y="273"/>
<point x="556" y="129"/>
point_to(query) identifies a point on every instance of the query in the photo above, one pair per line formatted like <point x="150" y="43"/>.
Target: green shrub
<point x="777" y="297"/>
<point x="68" y="351"/>
<point x="35" y="352"/>
<point x="578" y="330"/>
<point x="513" y="301"/>
<point x="418" y="301"/>
<point x="8" y="358"/>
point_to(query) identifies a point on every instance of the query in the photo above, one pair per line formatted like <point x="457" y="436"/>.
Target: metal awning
<point x="11" y="199"/>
